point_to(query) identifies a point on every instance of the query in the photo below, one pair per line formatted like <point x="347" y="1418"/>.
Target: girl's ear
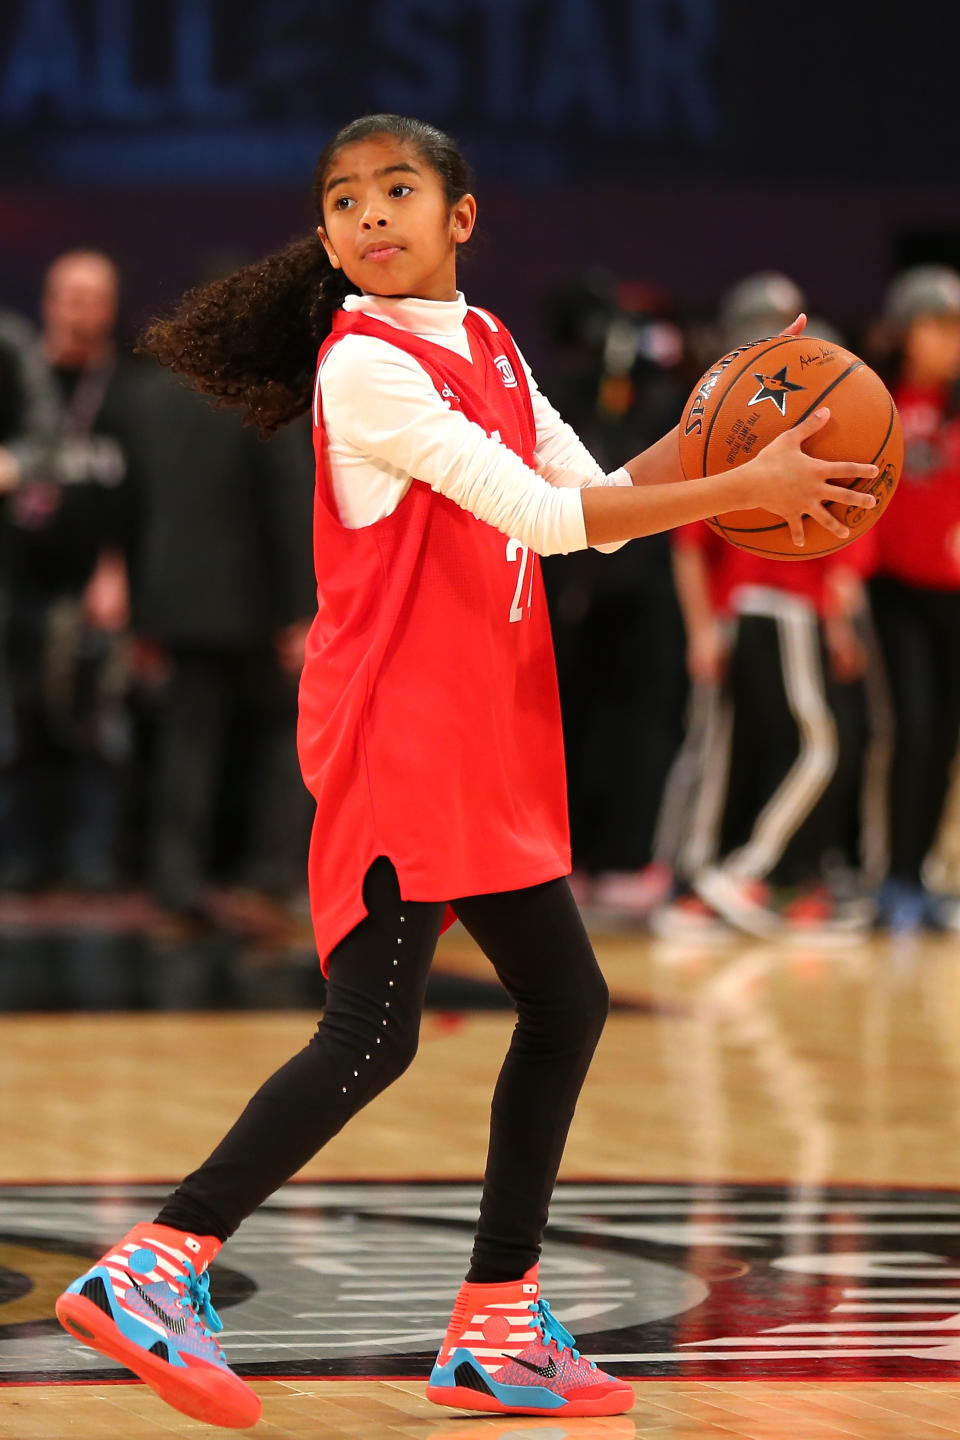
<point x="463" y="217"/>
<point x="332" y="255"/>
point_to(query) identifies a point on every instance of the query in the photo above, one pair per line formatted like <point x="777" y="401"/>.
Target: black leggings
<point x="368" y="1036"/>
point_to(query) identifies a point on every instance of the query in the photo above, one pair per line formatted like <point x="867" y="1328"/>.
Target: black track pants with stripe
<point x="765" y="805"/>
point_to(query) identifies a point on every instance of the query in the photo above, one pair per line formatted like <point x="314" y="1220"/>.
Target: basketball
<point x="767" y="386"/>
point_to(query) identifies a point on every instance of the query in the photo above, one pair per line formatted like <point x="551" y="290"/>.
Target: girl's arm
<point x="386" y="410"/>
<point x="563" y="459"/>
<point x="659" y="464"/>
<point x="561" y="456"/>
<point x="782" y="478"/>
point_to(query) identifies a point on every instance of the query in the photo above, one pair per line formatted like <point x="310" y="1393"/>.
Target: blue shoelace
<point x="551" y="1329"/>
<point x="198" y="1294"/>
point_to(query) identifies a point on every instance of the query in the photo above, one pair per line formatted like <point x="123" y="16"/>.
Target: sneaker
<point x="633" y="894"/>
<point x="147" y="1304"/>
<point x="745" y="903"/>
<point x="689" y="918"/>
<point x="506" y="1352"/>
<point x="902" y="906"/>
<point x="815" y="914"/>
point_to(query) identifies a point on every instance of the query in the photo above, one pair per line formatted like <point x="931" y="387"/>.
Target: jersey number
<point x="516" y="551"/>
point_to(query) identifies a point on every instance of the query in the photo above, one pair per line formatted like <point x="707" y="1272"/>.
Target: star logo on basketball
<point x="776" y="388"/>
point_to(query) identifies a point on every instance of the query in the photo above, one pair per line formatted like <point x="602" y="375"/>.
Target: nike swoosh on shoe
<point x="547" y="1371"/>
<point x="175" y="1323"/>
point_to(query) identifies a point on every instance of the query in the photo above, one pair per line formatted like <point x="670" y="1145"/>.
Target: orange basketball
<point x="746" y="399"/>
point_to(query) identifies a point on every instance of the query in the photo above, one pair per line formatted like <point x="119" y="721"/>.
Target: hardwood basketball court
<point x="758" y="1221"/>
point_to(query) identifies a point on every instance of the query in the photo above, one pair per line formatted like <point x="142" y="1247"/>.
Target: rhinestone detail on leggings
<point x="386" y="1004"/>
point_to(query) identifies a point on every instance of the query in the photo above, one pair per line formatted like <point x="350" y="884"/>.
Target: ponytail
<point x="250" y="339"/>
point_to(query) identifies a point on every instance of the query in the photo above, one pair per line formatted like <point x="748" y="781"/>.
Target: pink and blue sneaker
<point x="506" y="1352"/>
<point x="146" y="1303"/>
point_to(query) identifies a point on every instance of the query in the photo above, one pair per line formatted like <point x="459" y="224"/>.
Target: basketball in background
<point x="760" y="389"/>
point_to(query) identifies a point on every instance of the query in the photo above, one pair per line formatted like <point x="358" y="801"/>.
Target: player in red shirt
<point x="430" y="736"/>
<point x="769" y="647"/>
<point x="916" y="593"/>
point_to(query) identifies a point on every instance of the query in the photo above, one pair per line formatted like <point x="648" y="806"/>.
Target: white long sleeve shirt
<point x="386" y="424"/>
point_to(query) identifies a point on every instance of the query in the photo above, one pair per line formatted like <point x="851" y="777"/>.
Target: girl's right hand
<point x="792" y="484"/>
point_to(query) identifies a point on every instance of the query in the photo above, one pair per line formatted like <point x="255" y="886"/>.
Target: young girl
<point x="430" y="737"/>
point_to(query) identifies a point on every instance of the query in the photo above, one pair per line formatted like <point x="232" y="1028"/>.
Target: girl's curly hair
<point x="250" y="339"/>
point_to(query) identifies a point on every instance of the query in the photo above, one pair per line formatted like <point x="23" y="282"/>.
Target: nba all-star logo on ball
<point x="725" y="424"/>
<point x="776" y="388"/>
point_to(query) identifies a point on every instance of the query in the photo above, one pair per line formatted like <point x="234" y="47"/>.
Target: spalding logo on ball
<point x="750" y="396"/>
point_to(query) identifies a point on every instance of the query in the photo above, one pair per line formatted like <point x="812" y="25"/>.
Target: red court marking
<point x="447" y="1021"/>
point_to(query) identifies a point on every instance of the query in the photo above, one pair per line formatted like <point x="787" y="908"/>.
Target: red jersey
<point x="919" y="541"/>
<point x="730" y="568"/>
<point x="429" y="726"/>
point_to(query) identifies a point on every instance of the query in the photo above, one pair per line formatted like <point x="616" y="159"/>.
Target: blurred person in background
<point x="769" y="646"/>
<point x="760" y="792"/>
<point x="755" y="306"/>
<point x="946" y="858"/>
<point x="915" y="594"/>
<point x="67" y="738"/>
<point x="618" y="633"/>
<point x="223" y="596"/>
<point x="28" y="409"/>
<point x="28" y="406"/>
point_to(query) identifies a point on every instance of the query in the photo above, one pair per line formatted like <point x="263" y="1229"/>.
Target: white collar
<point x="422" y="317"/>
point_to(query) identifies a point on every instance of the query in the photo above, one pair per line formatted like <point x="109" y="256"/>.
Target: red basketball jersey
<point x="429" y="715"/>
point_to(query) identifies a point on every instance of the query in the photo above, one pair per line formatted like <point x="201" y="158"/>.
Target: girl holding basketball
<point x="430" y="737"/>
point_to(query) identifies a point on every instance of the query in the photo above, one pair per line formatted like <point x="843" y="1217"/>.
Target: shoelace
<point x="198" y="1295"/>
<point x="549" y="1326"/>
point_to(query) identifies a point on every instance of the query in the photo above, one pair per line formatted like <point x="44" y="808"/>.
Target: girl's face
<point x="387" y="223"/>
